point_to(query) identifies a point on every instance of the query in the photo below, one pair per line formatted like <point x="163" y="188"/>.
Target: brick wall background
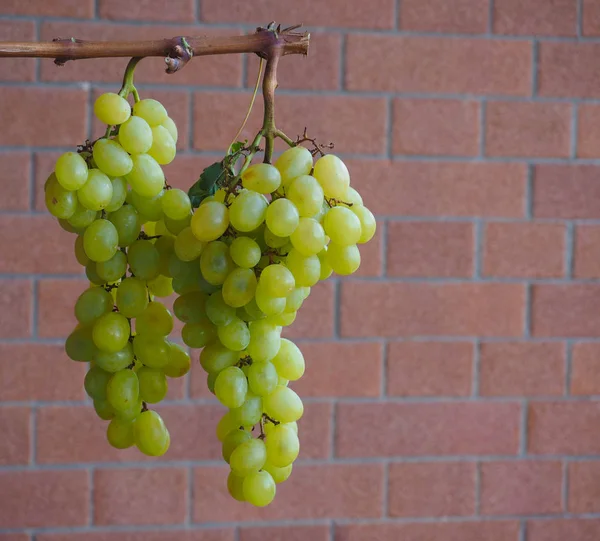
<point x="452" y="387"/>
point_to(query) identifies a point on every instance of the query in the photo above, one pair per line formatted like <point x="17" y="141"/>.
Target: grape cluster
<point x="243" y="267"/>
<point x="112" y="193"/>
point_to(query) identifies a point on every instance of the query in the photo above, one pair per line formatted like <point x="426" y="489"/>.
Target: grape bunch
<point x="242" y="268"/>
<point x="111" y="194"/>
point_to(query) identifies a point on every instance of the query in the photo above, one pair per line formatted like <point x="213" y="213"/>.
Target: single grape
<point x="135" y="135"/>
<point x="226" y="424"/>
<point x="333" y="176"/>
<point x="259" y="488"/>
<point x="101" y="240"/>
<point x="309" y="237"/>
<point x="119" y="433"/>
<point x="262" y="378"/>
<point x="261" y="178"/>
<point x="177" y="226"/>
<point x="179" y="362"/>
<point x="131" y="413"/>
<point x="285" y="319"/>
<point x="279" y="475"/>
<point x="248" y="457"/>
<point x="153" y="384"/>
<point x="60" y="203"/>
<point x="79" y="345"/>
<point x="176" y="204"/>
<point x="344" y="260"/>
<point x="239" y="287"/>
<point x="210" y="381"/>
<point x="152" y="351"/>
<point x="198" y="335"/>
<point x="123" y="389"/>
<point x="265" y="340"/>
<point x="277" y="281"/>
<point x="104" y="410"/>
<point x="231" y="387"/>
<point x="282" y="217"/>
<point x="250" y="412"/>
<point x="342" y="226"/>
<point x="113" y="362"/>
<point x="293" y="163"/>
<point x="92" y="274"/>
<point x="163" y="145"/>
<point x="368" y="225"/>
<point x="248" y="211"/>
<point x="71" y="171"/>
<point x="95" y="383"/>
<point x="267" y="304"/>
<point x="111" y="332"/>
<point x="352" y="196"/>
<point x="66" y="226"/>
<point x="245" y="252"/>
<point x="283" y="446"/>
<point x="127" y="223"/>
<point x="149" y="207"/>
<point x="82" y="217"/>
<point x="143" y="259"/>
<point x="91" y="304"/>
<point x="112" y="269"/>
<point x="272" y="240"/>
<point x="146" y="176"/>
<point x="235" y="486"/>
<point x="233" y="440"/>
<point x="306" y="270"/>
<point x="210" y="221"/>
<point x="326" y="270"/>
<point x="289" y="361"/>
<point x="132" y="297"/>
<point x="306" y="193"/>
<point x="150" y="434"/>
<point x="294" y="300"/>
<point x="216" y="263"/>
<point x="80" y="254"/>
<point x="111" y="158"/>
<point x="111" y="109"/>
<point x="235" y="335"/>
<point x="190" y="307"/>
<point x="251" y="311"/>
<point x="215" y="358"/>
<point x="152" y="111"/>
<point x="96" y="193"/>
<point x="186" y="246"/>
<point x="283" y="405"/>
<point x="155" y="319"/>
<point x="171" y="127"/>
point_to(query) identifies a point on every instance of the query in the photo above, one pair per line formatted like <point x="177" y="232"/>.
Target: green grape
<point x="250" y="412"/>
<point x="101" y="240"/>
<point x="82" y="217"/>
<point x="165" y="246"/>
<point x="143" y="259"/>
<point x="326" y="269"/>
<point x="283" y="381"/>
<point x="293" y="163"/>
<point x="112" y="109"/>
<point x="190" y="307"/>
<point x="282" y="217"/>
<point x="111" y="332"/>
<point x="283" y="446"/>
<point x="248" y="457"/>
<point x="171" y="127"/>
<point x="152" y="111"/>
<point x="333" y="176"/>
<point x="368" y="225"/>
<point x="177" y="226"/>
<point x="235" y="486"/>
<point x="239" y="287"/>
<point x="92" y="274"/>
<point x="153" y="384"/>
<point x="245" y="252"/>
<point x="95" y="383"/>
<point x="119" y="433"/>
<point x="279" y="475"/>
<point x="248" y="211"/>
<point x="306" y="270"/>
<point x="152" y="351"/>
<point x="155" y="319"/>
<point x="294" y="300"/>
<point x="259" y="488"/>
<point x="135" y="135"/>
<point x="277" y="281"/>
<point x="176" y="204"/>
<point x="231" y="387"/>
<point x="146" y="176"/>
<point x="60" y="203"/>
<point x="210" y="381"/>
<point x="284" y="319"/>
<point x="198" y="335"/>
<point x="283" y="405"/>
<point x="96" y="193"/>
<point x="262" y="378"/>
<point x="149" y="207"/>
<point x="127" y="223"/>
<point x="179" y="362"/>
<point x="309" y="237"/>
<point x="186" y="246"/>
<point x="342" y="226"/>
<point x="113" y="362"/>
<point x="253" y="311"/>
<point x="273" y="241"/>
<point x="233" y="440"/>
<point x="210" y="221"/>
<point x="131" y="413"/>
<point x="79" y="345"/>
<point x="265" y="340"/>
<point x="353" y="197"/>
<point x="71" y="171"/>
<point x="112" y="269"/>
<point x="289" y="361"/>
<point x="268" y="427"/>
<point x="66" y="226"/>
<point x="163" y="145"/>
<point x="235" y="335"/>
<point x="306" y="193"/>
<point x="150" y="433"/>
<point x="80" y="254"/>
<point x="104" y="410"/>
<point x="91" y="304"/>
<point x="226" y="424"/>
<point x="261" y="178"/>
<point x="216" y="357"/>
<point x="111" y="158"/>
<point x="123" y="389"/>
<point x="216" y="263"/>
<point x="344" y="260"/>
<point x="132" y="297"/>
<point x="268" y="304"/>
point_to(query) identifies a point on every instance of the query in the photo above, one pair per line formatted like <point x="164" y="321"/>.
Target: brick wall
<point x="452" y="387"/>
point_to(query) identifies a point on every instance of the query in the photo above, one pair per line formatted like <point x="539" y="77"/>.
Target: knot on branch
<point x="180" y="54"/>
<point x="62" y="60"/>
<point x="289" y="41"/>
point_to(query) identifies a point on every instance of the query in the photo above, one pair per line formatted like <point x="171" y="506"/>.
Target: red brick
<point x="441" y="188"/>
<point x="328" y="491"/>
<point x="441" y="531"/>
<point x="432" y="489"/>
<point x="222" y="70"/>
<point x="569" y="69"/>
<point x="535" y="17"/>
<point x="438" y="65"/>
<point x="521" y="369"/>
<point x="16" y="170"/>
<point x="429" y="368"/>
<point x="353" y="14"/>
<point x="590" y="18"/>
<point x="315" y="318"/>
<point x="142" y="535"/>
<point x="586" y="261"/>
<point x="33" y="499"/>
<point x="371" y="254"/>
<point x="396" y="429"/>
<point x="14" y="427"/>
<point x="56" y="8"/>
<point x="565" y="310"/>
<point x="315" y="427"/>
<point x="289" y="533"/>
<point x="528" y="129"/>
<point x="529" y="250"/>
<point x="566" y="191"/>
<point x="560" y="529"/>
<point x="569" y="428"/>
<point x="14" y="537"/>
<point x="43" y="166"/>
<point x="521" y="488"/>
<point x="584" y="492"/>
<point x="140" y="496"/>
<point x="407" y="309"/>
<point x="17" y="69"/>
<point x="56" y="299"/>
<point x="461" y="16"/>
<point x="340" y="369"/>
<point x="55" y="116"/>
<point x="430" y="249"/>
<point x="446" y="127"/>
<point x="149" y="10"/>
<point x="15" y="308"/>
<point x="588" y="132"/>
<point x="585" y="368"/>
<point x="329" y="118"/>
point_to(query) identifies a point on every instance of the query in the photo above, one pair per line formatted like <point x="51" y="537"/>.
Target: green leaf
<point x="206" y="185"/>
<point x="237" y="147"/>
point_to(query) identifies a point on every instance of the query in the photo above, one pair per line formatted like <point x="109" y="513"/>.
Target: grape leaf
<point x="237" y="147"/>
<point x="206" y="185"/>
